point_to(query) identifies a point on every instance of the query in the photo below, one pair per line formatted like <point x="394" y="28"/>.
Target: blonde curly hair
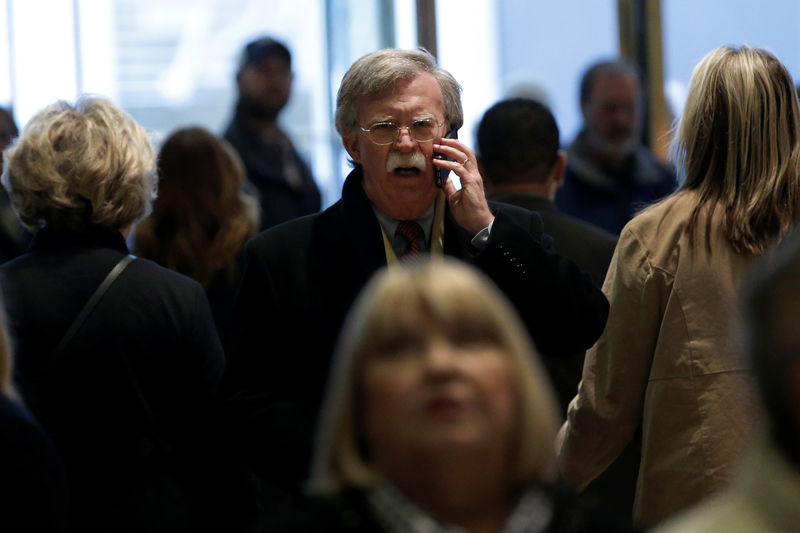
<point x="78" y="165"/>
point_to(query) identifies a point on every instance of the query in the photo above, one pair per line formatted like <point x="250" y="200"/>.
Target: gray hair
<point x="377" y="71"/>
<point x="81" y="164"/>
<point x="610" y="67"/>
<point x="453" y="292"/>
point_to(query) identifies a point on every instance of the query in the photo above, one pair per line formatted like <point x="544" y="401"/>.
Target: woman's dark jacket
<point x="129" y="401"/>
<point x="350" y="512"/>
<point x="32" y="483"/>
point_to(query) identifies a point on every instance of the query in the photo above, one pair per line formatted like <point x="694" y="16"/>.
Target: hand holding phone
<point x="439" y="173"/>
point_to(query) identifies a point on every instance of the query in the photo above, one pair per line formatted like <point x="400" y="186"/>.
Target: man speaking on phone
<point x="394" y="108"/>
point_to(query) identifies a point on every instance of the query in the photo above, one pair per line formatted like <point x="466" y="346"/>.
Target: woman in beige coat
<point x="668" y="360"/>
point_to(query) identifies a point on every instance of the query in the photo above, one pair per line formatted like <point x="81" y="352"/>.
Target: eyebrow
<point x="382" y="118"/>
<point x="390" y="118"/>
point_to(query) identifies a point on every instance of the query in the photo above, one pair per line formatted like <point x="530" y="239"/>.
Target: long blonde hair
<point x="738" y="145"/>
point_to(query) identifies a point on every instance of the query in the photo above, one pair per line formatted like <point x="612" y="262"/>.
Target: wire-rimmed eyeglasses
<point x="422" y="130"/>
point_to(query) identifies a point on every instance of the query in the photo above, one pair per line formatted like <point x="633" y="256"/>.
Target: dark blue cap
<point x="257" y="50"/>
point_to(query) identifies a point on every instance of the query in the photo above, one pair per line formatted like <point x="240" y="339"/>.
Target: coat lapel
<point x="347" y="247"/>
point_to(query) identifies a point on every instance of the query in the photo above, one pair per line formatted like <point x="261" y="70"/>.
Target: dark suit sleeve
<point x="564" y="311"/>
<point x="257" y="325"/>
<point x="273" y="431"/>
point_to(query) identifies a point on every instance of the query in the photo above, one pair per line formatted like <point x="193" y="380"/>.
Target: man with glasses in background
<point x="395" y="112"/>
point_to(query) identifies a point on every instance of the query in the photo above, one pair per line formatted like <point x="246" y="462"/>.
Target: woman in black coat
<point x="130" y="394"/>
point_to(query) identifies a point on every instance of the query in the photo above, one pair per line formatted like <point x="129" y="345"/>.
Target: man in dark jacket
<point x="282" y="180"/>
<point x="300" y="279"/>
<point x="520" y="160"/>
<point x="611" y="175"/>
<point x="521" y="163"/>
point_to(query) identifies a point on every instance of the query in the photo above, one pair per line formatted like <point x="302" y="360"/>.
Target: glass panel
<point x="356" y="27"/>
<point x="176" y="64"/>
<point x="692" y="29"/>
<point x="43" y="70"/>
<point x="468" y="49"/>
<point x="6" y="97"/>
<point x="172" y="63"/>
<point x="545" y="46"/>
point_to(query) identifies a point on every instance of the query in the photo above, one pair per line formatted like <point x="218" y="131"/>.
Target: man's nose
<point x="623" y="116"/>
<point x="404" y="141"/>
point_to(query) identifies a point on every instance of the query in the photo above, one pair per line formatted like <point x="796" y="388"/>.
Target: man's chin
<point x="403" y="198"/>
<point x="257" y="109"/>
<point x="617" y="149"/>
<point x="621" y="149"/>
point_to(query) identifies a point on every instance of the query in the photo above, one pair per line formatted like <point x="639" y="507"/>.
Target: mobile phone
<point x="440" y="174"/>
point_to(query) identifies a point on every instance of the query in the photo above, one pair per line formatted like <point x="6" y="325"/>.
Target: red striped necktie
<point x="411" y="232"/>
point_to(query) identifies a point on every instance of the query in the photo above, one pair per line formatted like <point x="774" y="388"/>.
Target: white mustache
<point x="400" y="160"/>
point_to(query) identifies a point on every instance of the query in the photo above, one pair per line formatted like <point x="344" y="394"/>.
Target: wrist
<point x="485" y="223"/>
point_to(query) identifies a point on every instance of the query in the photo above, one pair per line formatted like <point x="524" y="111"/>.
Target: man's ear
<point x="559" y="168"/>
<point x="352" y="146"/>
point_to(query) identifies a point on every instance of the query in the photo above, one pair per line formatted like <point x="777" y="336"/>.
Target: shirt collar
<point x="531" y="514"/>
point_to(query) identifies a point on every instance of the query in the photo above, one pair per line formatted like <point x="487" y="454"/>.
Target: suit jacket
<point x="589" y="246"/>
<point x="267" y="165"/>
<point x="301" y="278"/>
<point x="129" y="400"/>
<point x="591" y="249"/>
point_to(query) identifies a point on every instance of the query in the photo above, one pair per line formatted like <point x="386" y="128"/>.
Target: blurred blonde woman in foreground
<point x="667" y="360"/>
<point x="437" y="414"/>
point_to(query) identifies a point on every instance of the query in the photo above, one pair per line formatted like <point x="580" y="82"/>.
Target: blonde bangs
<point x="415" y="299"/>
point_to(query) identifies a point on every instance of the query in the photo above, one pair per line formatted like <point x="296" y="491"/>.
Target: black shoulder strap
<point x="98" y="293"/>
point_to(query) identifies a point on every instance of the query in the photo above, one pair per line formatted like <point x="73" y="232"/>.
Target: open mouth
<point x="407" y="170"/>
<point x="411" y="164"/>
